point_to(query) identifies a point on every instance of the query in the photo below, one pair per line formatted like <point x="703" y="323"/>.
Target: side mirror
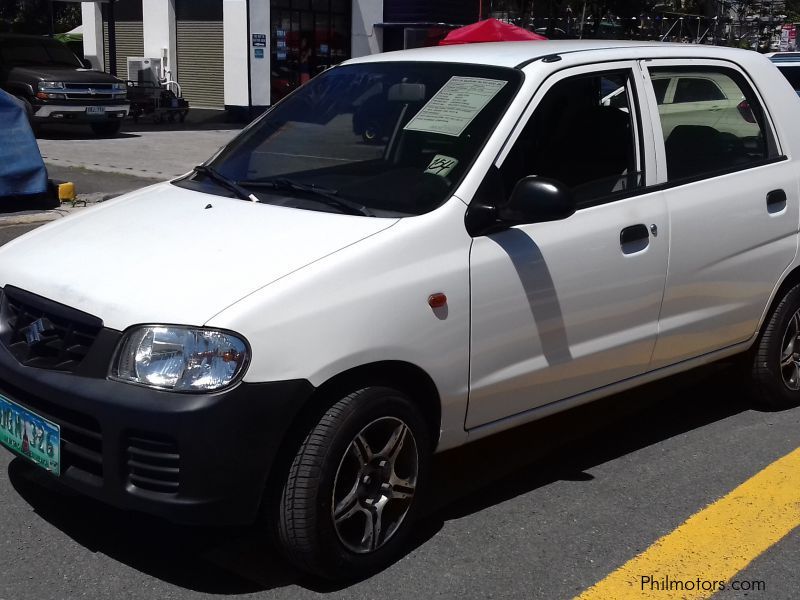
<point x="536" y="200"/>
<point x="87" y="64"/>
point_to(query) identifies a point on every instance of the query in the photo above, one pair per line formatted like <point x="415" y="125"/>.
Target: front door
<point x="564" y="307"/>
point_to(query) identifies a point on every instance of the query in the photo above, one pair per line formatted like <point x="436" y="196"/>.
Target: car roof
<point x="517" y="54"/>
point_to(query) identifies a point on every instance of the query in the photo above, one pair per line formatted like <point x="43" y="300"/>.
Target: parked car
<point x="294" y="328"/>
<point x="55" y="87"/>
<point x="684" y="97"/>
<point x="788" y="63"/>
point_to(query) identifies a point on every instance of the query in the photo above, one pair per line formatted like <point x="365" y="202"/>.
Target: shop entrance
<point x="308" y="36"/>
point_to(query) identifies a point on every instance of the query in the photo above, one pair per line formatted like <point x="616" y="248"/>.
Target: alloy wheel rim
<point x="375" y="485"/>
<point x="790" y="354"/>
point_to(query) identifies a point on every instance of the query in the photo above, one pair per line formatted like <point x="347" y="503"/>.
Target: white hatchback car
<point x="297" y="325"/>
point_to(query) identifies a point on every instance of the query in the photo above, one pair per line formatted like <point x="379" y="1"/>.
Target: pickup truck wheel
<point x="352" y="491"/>
<point x="776" y="357"/>
<point x="109" y="129"/>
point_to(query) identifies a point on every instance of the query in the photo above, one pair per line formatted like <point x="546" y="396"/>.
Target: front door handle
<point x="634" y="238"/>
<point x="776" y="201"/>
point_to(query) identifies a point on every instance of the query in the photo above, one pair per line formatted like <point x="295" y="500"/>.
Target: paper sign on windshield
<point x="454" y="106"/>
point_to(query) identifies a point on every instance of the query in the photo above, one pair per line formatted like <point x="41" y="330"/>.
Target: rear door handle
<point x="776" y="201"/>
<point x="634" y="238"/>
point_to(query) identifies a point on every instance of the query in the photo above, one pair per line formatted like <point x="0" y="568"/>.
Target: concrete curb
<point x="26" y="217"/>
<point x="142" y="174"/>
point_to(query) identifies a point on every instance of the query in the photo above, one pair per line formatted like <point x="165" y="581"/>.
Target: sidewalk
<point x="92" y="187"/>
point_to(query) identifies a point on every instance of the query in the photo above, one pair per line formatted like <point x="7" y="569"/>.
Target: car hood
<point x="55" y="73"/>
<point x="165" y="254"/>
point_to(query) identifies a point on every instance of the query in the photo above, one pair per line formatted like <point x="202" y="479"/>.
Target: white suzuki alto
<point x="410" y="252"/>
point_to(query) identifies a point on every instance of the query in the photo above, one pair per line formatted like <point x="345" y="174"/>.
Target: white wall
<point x="237" y="43"/>
<point x="259" y="67"/>
<point x="158" y="21"/>
<point x="367" y="39"/>
<point x="92" y="20"/>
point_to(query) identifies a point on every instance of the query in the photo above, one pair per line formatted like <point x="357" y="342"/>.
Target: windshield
<point x="392" y="138"/>
<point x="37" y="52"/>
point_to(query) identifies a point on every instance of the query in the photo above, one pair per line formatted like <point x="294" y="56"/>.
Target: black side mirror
<point x="536" y="200"/>
<point x="86" y="63"/>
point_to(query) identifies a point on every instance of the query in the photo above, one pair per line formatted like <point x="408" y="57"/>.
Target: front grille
<point x="97" y="91"/>
<point x="153" y="463"/>
<point x="85" y="96"/>
<point x="43" y="334"/>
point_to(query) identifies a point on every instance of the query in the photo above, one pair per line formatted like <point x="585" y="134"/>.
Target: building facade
<point x="243" y="55"/>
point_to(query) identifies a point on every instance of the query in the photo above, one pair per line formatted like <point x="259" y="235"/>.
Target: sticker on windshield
<point x="455" y="106"/>
<point x="441" y="165"/>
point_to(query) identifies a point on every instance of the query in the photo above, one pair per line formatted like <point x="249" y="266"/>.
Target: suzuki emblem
<point x="33" y="332"/>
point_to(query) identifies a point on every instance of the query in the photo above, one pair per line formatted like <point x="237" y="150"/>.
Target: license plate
<point x="95" y="110"/>
<point x="30" y="435"/>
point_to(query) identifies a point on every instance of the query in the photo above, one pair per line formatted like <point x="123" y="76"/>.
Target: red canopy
<point x="489" y="30"/>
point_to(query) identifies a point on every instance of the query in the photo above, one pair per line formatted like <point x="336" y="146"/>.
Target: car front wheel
<point x="352" y="490"/>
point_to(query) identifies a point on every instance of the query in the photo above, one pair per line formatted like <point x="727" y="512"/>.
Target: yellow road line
<point x="714" y="544"/>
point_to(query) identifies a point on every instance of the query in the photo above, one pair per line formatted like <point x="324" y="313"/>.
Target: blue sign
<point x="259" y="52"/>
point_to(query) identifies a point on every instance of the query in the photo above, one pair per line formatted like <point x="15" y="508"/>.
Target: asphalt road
<point x="542" y="512"/>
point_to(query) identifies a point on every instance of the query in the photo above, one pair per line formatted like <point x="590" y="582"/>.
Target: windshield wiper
<point x="324" y="195"/>
<point x="229" y="184"/>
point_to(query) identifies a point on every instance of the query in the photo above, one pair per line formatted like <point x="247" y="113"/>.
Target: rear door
<point x="733" y="205"/>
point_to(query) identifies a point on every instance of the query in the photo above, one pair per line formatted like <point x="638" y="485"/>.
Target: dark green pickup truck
<point x="55" y="86"/>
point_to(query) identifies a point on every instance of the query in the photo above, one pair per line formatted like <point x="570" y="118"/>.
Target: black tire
<point x="774" y="385"/>
<point x="371" y="134"/>
<point x="110" y="129"/>
<point x="319" y="481"/>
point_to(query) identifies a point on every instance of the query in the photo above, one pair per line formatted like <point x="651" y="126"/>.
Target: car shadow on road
<point x="565" y="445"/>
<point x="235" y="561"/>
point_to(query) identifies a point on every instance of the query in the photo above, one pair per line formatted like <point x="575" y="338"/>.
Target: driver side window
<point x="582" y="135"/>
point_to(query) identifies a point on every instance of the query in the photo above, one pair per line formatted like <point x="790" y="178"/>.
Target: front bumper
<point x="77" y="113"/>
<point x="190" y="458"/>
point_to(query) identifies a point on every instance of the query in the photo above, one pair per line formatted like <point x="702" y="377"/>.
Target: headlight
<point x="182" y="359"/>
<point x="51" y="85"/>
<point x="120" y="87"/>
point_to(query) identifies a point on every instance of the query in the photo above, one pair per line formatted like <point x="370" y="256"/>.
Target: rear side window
<point x="715" y="123"/>
<point x="696" y="90"/>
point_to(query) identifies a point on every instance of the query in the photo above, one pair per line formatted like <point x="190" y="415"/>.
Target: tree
<point x="33" y="16"/>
